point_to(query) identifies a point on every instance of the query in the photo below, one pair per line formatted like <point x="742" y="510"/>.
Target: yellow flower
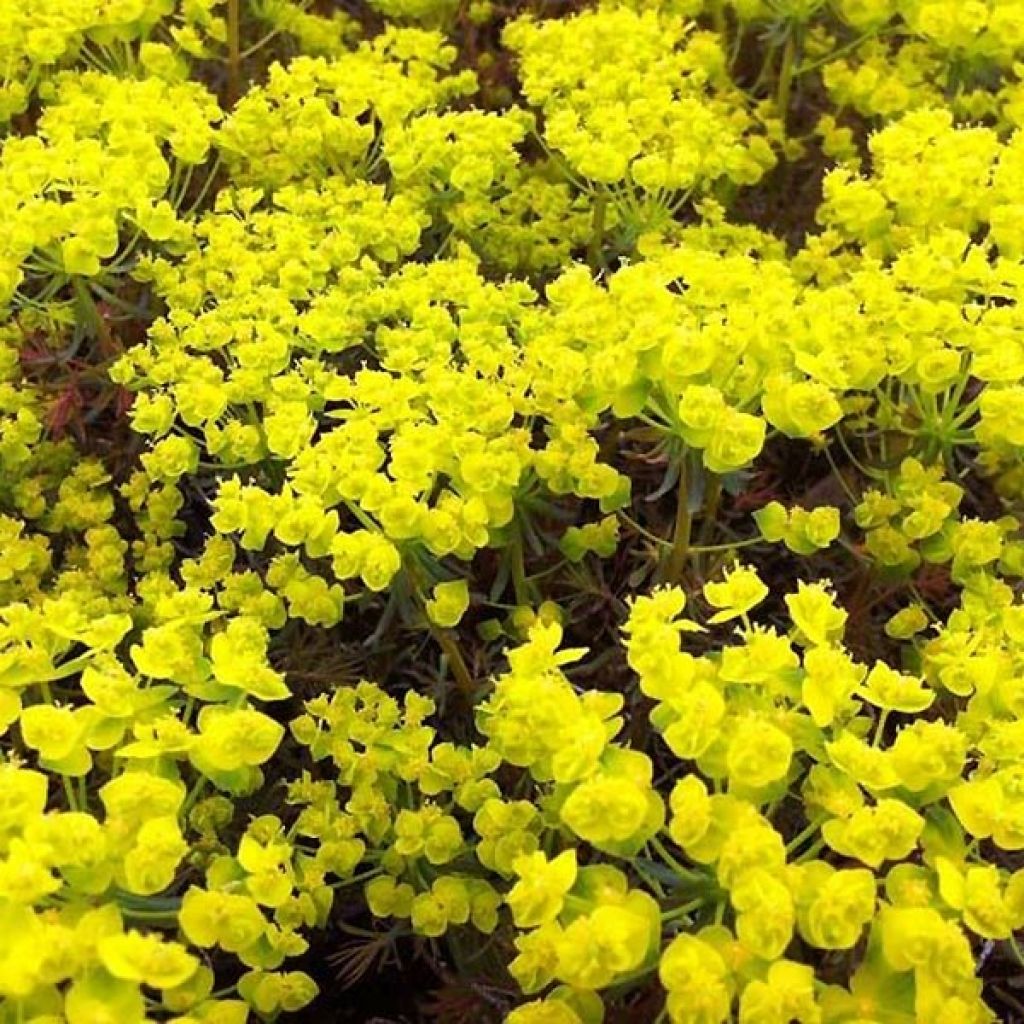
<point x="539" y="893"/>
<point x="740" y="591"/>
<point x="894" y="691"/>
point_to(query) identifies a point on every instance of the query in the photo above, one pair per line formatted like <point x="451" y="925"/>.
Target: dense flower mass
<point x="525" y="500"/>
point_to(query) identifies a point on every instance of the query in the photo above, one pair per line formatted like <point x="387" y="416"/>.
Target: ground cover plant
<point x="512" y="511"/>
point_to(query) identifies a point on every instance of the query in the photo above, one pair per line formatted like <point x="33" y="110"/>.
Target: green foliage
<point x="378" y="390"/>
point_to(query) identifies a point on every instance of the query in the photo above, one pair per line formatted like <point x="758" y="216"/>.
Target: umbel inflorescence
<point x="532" y="487"/>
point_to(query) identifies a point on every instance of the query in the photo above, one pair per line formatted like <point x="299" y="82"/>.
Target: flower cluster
<point x="539" y="487"/>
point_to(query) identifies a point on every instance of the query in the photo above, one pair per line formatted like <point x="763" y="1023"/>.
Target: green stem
<point x="802" y="837"/>
<point x="650" y="881"/>
<point x="842" y="51"/>
<point x="516" y="553"/>
<point x="463" y="678"/>
<point x="260" y="43"/>
<point x="880" y="728"/>
<point x="681" y="530"/>
<point x="702" y="549"/>
<point x="711" y="503"/>
<point x="69" y="792"/>
<point x="234" y="52"/>
<point x="170" y="916"/>
<point x="91" y="316"/>
<point x="445" y="637"/>
<point x="595" y="251"/>
<point x="214" y="169"/>
<point x="691" y="876"/>
<point x="786" y="76"/>
<point x="684" y="910"/>
<point x="718" y="20"/>
<point x="193" y="795"/>
<point x="709" y="515"/>
<point x="632" y="977"/>
<point x="811" y="852"/>
<point x="356" y="879"/>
